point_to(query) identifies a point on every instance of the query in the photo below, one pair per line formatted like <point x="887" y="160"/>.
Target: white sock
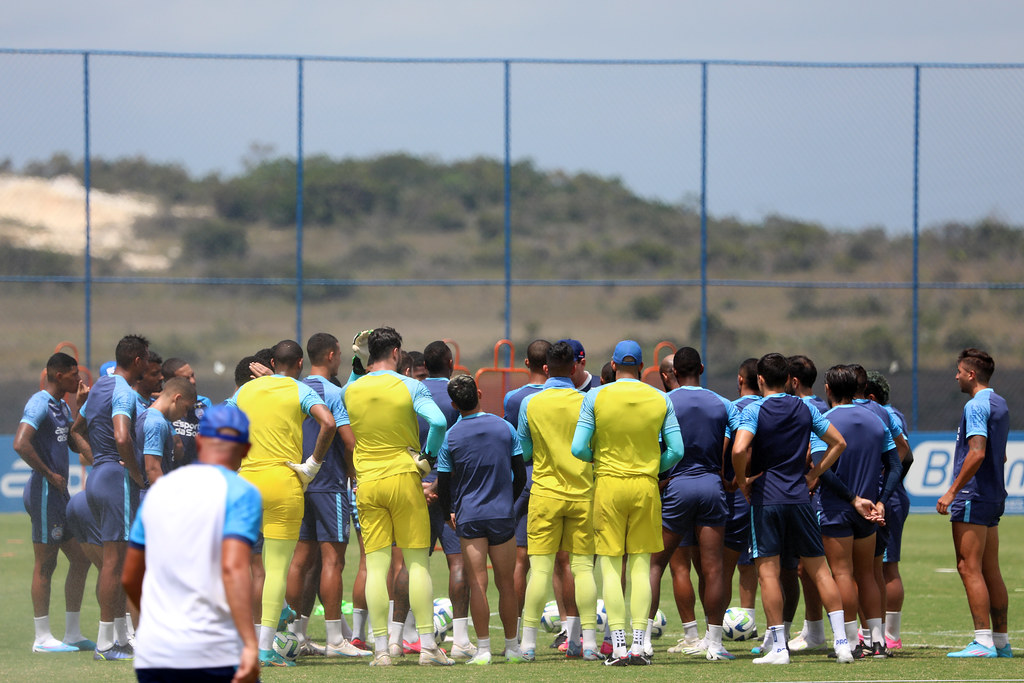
<point x="129" y="625"/>
<point x="835" y="622"/>
<point x="395" y="633"/>
<point x="121" y="630"/>
<point x="892" y="624"/>
<point x="638" y="641"/>
<point x="852" y="632"/>
<point x="266" y="637"/>
<point x="619" y="643"/>
<point x="715" y="636"/>
<point x="105" y="637"/>
<point x="380" y="644"/>
<point x="778" y="638"/>
<point x="984" y="637"/>
<point x="690" y="630"/>
<point x="483" y="645"/>
<point x="572" y="629"/>
<point x="511" y="645"/>
<point x="359" y="624"/>
<point x="391" y="611"/>
<point x="648" y="629"/>
<point x="590" y="639"/>
<point x="865" y="634"/>
<point x="529" y="638"/>
<point x="346" y="630"/>
<point x="409" y="632"/>
<point x="787" y="627"/>
<point x="43" y="634"/>
<point x="875" y="631"/>
<point x="1000" y="639"/>
<point x="814" y="631"/>
<point x="427" y="641"/>
<point x="334" y="636"/>
<point x="460" y="631"/>
<point x="73" y="627"/>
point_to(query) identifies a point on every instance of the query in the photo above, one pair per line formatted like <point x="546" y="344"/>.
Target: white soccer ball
<point x="286" y="644"/>
<point x="550" y="619"/>
<point x="602" y="615"/>
<point x="660" y="622"/>
<point x="443" y="616"/>
<point x="738" y="625"/>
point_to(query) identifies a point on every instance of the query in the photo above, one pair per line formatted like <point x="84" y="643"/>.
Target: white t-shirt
<point x="185" y="621"/>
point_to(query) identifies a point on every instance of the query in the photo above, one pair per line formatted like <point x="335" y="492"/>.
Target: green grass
<point x="935" y="620"/>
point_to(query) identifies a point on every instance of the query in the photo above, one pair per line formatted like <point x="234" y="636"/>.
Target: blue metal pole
<point x="704" y="217"/>
<point x="508" y="203"/>
<point x="299" y="181"/>
<point x="87" y="183"/>
<point x="917" y="280"/>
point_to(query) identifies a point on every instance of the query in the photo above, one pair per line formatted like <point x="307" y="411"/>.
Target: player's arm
<point x="741" y="447"/>
<point x="518" y="476"/>
<point x="79" y="437"/>
<point x="154" y="468"/>
<point x="235" y="556"/>
<point x="672" y="438"/>
<point x="525" y="438"/>
<point x="836" y="444"/>
<point x="972" y="462"/>
<point x="425" y="407"/>
<point x="131" y="576"/>
<point x="23" y="447"/>
<point x="125" y="447"/>
<point x="893" y="472"/>
<point x="322" y="414"/>
<point x="584" y="430"/>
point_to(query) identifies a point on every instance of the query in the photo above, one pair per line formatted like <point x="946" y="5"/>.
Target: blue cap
<point x="107" y="368"/>
<point x="578" y="354"/>
<point x="224" y="416"/>
<point x="628" y="352"/>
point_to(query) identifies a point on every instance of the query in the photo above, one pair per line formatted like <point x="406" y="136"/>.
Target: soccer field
<point x="935" y="620"/>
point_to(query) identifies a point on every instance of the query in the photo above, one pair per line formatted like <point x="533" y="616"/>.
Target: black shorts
<point x="496" y="531"/>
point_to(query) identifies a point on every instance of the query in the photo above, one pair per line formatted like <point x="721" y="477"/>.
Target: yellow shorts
<point x="393" y="510"/>
<point x="283" y="503"/>
<point x="627" y="516"/>
<point x="553" y="525"/>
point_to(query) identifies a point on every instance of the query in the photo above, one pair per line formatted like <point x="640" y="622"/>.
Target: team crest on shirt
<point x="57" y="533"/>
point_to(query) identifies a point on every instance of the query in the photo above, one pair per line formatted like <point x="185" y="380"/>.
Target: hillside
<point x="399" y="216"/>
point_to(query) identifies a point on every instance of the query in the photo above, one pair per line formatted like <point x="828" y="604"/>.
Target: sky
<point x="834" y="146"/>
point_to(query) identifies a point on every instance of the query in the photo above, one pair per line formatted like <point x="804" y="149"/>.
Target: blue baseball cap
<point x="628" y="352"/>
<point x="224" y="416"/>
<point x="578" y="354"/>
<point x="107" y="368"/>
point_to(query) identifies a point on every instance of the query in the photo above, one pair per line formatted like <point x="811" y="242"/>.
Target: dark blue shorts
<point x="844" y="523"/>
<point x="737" y="527"/>
<point x="496" y="531"/>
<point x="976" y="512"/>
<point x="326" y="518"/>
<point x="688" y="502"/>
<point x="80" y="525"/>
<point x="113" y="499"/>
<point x="439" y="529"/>
<point x="896" y="512"/>
<point x="521" y="507"/>
<point x="216" y="675"/>
<point x="785" y="530"/>
<point x="47" y="508"/>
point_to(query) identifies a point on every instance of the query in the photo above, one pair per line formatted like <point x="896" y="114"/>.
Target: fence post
<point x="508" y="202"/>
<point x="704" y="217"/>
<point x="299" y="182"/>
<point x="87" y="183"/>
<point x="916" y="287"/>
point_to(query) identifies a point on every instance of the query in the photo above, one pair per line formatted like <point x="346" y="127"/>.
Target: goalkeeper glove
<point x="306" y="471"/>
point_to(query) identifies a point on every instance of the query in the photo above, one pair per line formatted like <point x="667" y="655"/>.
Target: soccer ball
<point x="602" y="615"/>
<point x="442" y="618"/>
<point x="550" y="619"/>
<point x="660" y="622"/>
<point x="738" y="625"/>
<point x="286" y="644"/>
